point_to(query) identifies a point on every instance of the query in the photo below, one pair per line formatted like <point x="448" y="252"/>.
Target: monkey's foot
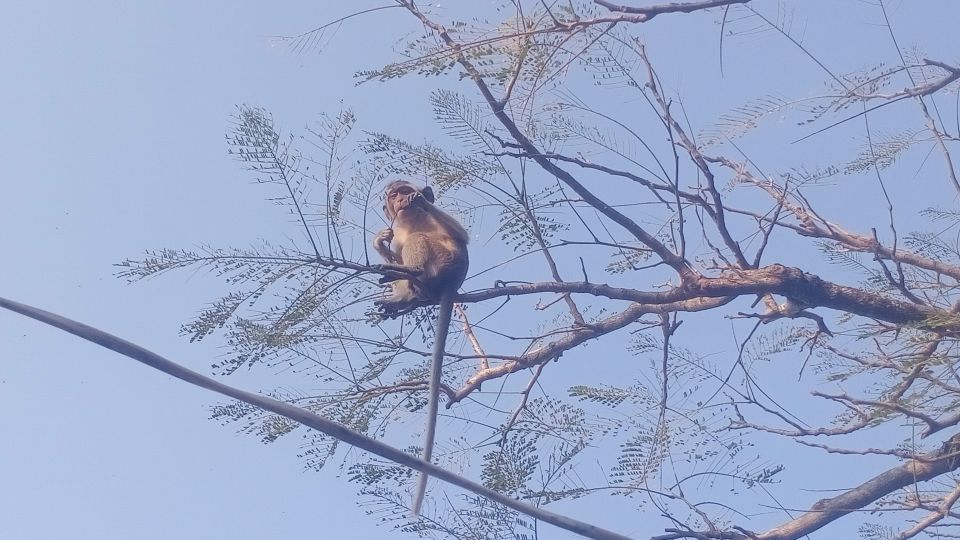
<point x="386" y="309"/>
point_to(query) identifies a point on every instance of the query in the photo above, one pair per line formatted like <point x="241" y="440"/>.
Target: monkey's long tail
<point x="436" y="370"/>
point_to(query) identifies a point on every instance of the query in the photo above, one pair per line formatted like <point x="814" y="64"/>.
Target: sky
<point x="115" y="132"/>
<point x="113" y="136"/>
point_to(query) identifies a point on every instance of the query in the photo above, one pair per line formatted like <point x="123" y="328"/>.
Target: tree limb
<point x="315" y="421"/>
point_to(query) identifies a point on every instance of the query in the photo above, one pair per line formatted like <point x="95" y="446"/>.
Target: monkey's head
<point x="402" y="195"/>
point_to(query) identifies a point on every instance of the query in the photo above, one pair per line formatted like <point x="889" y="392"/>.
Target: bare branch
<point x="825" y="511"/>
<point x="302" y="416"/>
<point x="650" y="12"/>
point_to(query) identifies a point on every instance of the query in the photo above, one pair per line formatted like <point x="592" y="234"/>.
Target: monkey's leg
<point x="416" y="256"/>
<point x="404" y="268"/>
<point x="404" y="295"/>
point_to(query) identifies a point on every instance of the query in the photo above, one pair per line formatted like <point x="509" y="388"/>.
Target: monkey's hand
<point x="381" y="243"/>
<point x="385" y="236"/>
<point x="415" y="199"/>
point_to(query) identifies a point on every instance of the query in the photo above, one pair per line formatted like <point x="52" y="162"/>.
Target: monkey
<point x="426" y="242"/>
<point x="430" y="245"/>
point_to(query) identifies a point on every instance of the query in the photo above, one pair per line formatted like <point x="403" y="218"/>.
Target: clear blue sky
<point x="112" y="136"/>
<point x="115" y="114"/>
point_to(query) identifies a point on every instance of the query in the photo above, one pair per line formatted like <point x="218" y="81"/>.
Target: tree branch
<point x="825" y="511"/>
<point x="315" y="421"/>
<point x="650" y="12"/>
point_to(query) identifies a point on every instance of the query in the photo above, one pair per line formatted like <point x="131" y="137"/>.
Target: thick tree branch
<point x="315" y="421"/>
<point x="554" y="349"/>
<point x="808" y="289"/>
<point x="650" y="12"/>
<point x="927" y="467"/>
<point x="825" y="511"/>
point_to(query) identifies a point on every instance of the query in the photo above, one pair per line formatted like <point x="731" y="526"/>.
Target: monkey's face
<point x="403" y="196"/>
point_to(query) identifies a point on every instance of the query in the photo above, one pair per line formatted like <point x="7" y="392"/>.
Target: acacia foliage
<point x="672" y="310"/>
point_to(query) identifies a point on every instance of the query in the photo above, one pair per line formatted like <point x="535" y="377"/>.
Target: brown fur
<point x="423" y="240"/>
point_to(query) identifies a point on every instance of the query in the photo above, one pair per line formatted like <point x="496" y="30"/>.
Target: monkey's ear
<point x="427" y="194"/>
